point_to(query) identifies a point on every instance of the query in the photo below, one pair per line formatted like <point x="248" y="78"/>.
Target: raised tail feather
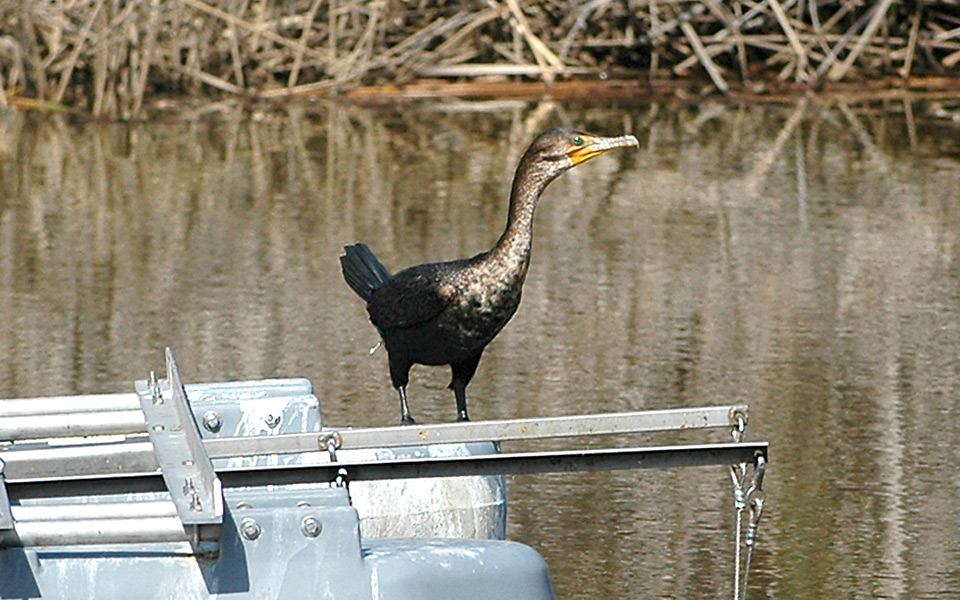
<point x="362" y="271"/>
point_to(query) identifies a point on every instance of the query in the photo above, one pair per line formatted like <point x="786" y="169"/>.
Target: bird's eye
<point x="578" y="141"/>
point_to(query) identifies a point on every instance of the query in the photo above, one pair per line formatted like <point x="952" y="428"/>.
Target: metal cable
<point x="738" y="474"/>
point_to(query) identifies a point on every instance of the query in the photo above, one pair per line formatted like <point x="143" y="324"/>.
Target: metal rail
<point x="50" y="462"/>
<point x="110" y="415"/>
<point x="56" y="405"/>
<point x="452" y="466"/>
<point x="75" y="424"/>
<point x="137" y="456"/>
<point x="114" y="414"/>
<point x="476" y="431"/>
<point x="151" y="522"/>
<point x="606" y="459"/>
<point x="147" y="530"/>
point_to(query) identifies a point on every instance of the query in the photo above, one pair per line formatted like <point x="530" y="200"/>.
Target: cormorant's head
<point x="562" y="149"/>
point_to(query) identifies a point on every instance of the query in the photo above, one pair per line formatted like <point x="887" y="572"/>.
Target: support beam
<point x="699" y="455"/>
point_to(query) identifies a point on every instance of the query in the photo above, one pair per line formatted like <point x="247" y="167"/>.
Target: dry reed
<point x="108" y="57"/>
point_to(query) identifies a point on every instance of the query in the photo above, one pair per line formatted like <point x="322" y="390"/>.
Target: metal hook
<point x="738" y="418"/>
<point x="756" y="486"/>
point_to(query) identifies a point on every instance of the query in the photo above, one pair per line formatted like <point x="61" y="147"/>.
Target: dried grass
<point x="108" y="57"/>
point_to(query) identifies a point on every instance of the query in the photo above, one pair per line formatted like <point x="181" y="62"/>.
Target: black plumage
<point x="446" y="313"/>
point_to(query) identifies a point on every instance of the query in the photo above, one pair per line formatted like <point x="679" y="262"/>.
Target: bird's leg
<point x="400" y="375"/>
<point x="462" y="374"/>
<point x="460" y="391"/>
<point x="405" y="417"/>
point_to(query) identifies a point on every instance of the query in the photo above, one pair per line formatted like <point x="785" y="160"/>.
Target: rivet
<point x="249" y="528"/>
<point x="311" y="526"/>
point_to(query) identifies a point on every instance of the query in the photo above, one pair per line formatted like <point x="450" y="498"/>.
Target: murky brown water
<point x="802" y="259"/>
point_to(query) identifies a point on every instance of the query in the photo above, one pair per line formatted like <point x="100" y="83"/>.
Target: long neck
<point x="515" y="243"/>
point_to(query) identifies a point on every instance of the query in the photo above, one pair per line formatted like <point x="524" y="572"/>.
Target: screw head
<point x="311" y="526"/>
<point x="212" y="421"/>
<point x="249" y="528"/>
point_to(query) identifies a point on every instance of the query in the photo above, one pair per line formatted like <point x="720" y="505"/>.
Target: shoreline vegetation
<point x="123" y="58"/>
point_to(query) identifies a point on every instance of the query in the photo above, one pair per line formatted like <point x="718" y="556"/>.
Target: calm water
<point x="803" y="259"/>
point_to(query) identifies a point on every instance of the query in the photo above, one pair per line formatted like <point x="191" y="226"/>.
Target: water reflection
<point x="803" y="259"/>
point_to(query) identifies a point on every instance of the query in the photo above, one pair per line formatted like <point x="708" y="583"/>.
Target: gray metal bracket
<point x="6" y="515"/>
<point x="184" y="464"/>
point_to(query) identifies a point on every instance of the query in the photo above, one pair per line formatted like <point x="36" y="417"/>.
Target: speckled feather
<point x="467" y="301"/>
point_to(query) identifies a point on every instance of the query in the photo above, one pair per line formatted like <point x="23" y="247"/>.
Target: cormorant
<point x="446" y="313"/>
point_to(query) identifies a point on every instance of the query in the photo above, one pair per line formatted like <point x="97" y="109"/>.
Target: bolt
<point x="272" y="421"/>
<point x="155" y="388"/>
<point x="212" y="421"/>
<point x="311" y="526"/>
<point x="330" y="441"/>
<point x="249" y="528"/>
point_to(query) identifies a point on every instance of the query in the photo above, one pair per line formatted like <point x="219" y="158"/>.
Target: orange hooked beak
<point x="593" y="146"/>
